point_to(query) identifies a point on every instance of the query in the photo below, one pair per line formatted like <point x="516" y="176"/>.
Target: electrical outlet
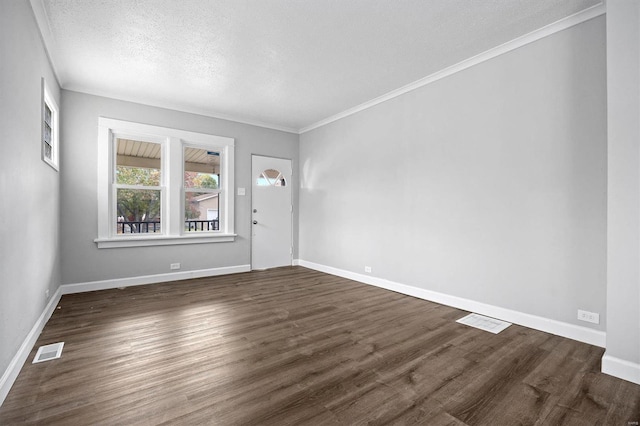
<point x="367" y="269"/>
<point x="588" y="316"/>
<point x="175" y="266"/>
<point x="46" y="294"/>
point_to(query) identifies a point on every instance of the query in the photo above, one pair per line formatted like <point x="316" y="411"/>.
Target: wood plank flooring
<point x="296" y="346"/>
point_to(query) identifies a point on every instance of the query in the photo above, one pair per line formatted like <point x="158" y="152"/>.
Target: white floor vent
<point x="491" y="325"/>
<point x="48" y="352"/>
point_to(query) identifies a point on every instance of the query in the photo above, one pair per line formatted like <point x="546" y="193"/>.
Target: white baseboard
<point x="151" y="279"/>
<point x="559" y="328"/>
<point x="620" y="368"/>
<point x="610" y="365"/>
<point x="11" y="373"/>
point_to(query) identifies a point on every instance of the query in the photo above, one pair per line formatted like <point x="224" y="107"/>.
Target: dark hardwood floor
<point x="295" y="346"/>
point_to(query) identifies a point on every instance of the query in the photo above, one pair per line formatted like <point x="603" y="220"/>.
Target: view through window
<point x="138" y="178"/>
<point x="201" y="189"/>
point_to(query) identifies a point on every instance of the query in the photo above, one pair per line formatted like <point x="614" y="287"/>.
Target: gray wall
<point x="29" y="211"/>
<point x="82" y="261"/>
<point x="489" y="184"/>
<point x="623" y="290"/>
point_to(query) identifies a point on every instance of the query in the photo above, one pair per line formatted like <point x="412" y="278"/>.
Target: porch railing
<point x="202" y="225"/>
<point x="146" y="227"/>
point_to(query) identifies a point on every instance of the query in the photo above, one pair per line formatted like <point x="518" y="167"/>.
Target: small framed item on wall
<point x="50" y="141"/>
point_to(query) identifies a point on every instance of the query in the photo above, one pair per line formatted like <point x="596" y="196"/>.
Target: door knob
<point x="255" y="222"/>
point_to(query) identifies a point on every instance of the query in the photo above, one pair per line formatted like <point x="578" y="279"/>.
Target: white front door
<point x="271" y="244"/>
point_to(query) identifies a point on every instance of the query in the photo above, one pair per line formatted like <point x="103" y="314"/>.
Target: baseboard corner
<point x="11" y="373"/>
<point x="620" y="368"/>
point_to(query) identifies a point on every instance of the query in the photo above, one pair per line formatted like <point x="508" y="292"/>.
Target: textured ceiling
<point x="285" y="63"/>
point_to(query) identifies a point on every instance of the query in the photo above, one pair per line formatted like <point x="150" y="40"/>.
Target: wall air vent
<point x="491" y="325"/>
<point x="48" y="352"/>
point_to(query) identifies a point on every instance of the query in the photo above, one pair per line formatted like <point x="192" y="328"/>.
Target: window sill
<point x="162" y="240"/>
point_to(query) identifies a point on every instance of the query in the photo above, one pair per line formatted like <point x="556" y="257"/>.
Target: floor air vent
<point x="491" y="325"/>
<point x="48" y="352"/>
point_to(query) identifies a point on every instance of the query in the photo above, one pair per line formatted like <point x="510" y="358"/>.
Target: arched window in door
<point x="271" y="177"/>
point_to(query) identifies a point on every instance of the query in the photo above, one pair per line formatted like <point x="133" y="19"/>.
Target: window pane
<point x="138" y="211"/>
<point x="138" y="163"/>
<point x="201" y="168"/>
<point x="271" y="177"/>
<point x="48" y="151"/>
<point x="47" y="114"/>
<point x="201" y="211"/>
<point x="47" y="133"/>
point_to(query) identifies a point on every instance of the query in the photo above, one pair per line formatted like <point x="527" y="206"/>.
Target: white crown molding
<point x="626" y="370"/>
<point x="562" y="24"/>
<point x="180" y="108"/>
<point x="151" y="279"/>
<point x="40" y="15"/>
<point x="13" y="369"/>
<point x="48" y="40"/>
<point x="575" y="19"/>
<point x="559" y="328"/>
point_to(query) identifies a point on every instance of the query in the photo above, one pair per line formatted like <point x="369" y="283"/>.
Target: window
<point x="201" y="189"/>
<point x="137" y="183"/>
<point x="49" y="128"/>
<point x="161" y="186"/>
<point x="271" y="177"/>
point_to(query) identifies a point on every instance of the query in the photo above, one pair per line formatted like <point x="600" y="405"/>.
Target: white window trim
<point x="173" y="141"/>
<point x="48" y="100"/>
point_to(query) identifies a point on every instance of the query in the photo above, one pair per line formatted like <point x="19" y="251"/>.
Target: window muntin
<point x="163" y="183"/>
<point x="50" y="120"/>
<point x="48" y="131"/>
<point x="271" y="177"/>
